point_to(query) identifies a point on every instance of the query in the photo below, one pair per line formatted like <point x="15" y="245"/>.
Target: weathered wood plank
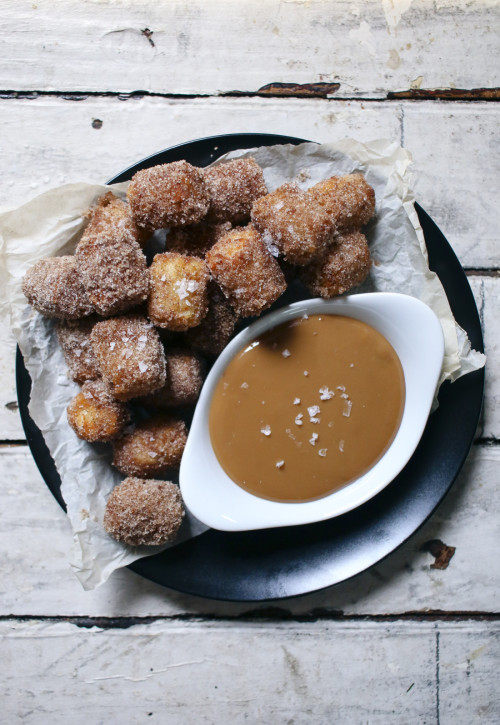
<point x="178" y="673"/>
<point x="370" y="48"/>
<point x="487" y="294"/>
<point x="36" y="579"/>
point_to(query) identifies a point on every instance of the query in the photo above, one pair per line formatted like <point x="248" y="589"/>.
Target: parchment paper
<point x="51" y="224"/>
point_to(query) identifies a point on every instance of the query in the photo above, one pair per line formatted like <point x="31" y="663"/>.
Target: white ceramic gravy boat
<point x="415" y="333"/>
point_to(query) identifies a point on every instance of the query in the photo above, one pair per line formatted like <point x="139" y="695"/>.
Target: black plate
<point x="270" y="564"/>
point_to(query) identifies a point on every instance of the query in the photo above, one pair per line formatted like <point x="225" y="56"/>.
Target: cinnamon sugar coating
<point x="349" y="200"/>
<point x="168" y="195"/>
<point x="130" y="356"/>
<point x="246" y="271"/>
<point x="74" y="339"/>
<point x="112" y="266"/>
<point x="112" y="212"/>
<point x="144" y="513"/>
<point x="345" y="265"/>
<point x="195" y="240"/>
<point x="54" y="287"/>
<point x="211" y="336"/>
<point x="185" y="373"/>
<point x="178" y="291"/>
<point x="95" y="415"/>
<point x="153" y="448"/>
<point x="233" y="186"/>
<point x="293" y="223"/>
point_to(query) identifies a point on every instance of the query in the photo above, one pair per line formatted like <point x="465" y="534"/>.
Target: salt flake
<point x="142" y="367"/>
<point x="313" y="439"/>
<point x="266" y="430"/>
<point x="298" y="419"/>
<point x="325" y="393"/>
<point x="322" y="452"/>
<point x="286" y="353"/>
<point x="296" y="401"/>
<point x="280" y="464"/>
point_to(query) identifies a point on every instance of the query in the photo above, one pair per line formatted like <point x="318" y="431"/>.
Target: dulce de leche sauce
<point x="307" y="408"/>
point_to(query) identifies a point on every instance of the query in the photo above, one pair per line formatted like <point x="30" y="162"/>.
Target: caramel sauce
<point x="307" y="408"/>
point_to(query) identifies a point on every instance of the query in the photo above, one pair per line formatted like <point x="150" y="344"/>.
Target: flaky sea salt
<point x="313" y="439"/>
<point x="306" y="373"/>
<point x="325" y="393"/>
<point x="266" y="430"/>
<point x="286" y="353"/>
<point x="347" y="409"/>
<point x="142" y="367"/>
<point x="298" y="419"/>
<point x="280" y="464"/>
<point x="112" y="345"/>
<point x="296" y="401"/>
<point x="313" y="410"/>
<point x="341" y="446"/>
<point x="244" y="385"/>
<point x="322" y="452"/>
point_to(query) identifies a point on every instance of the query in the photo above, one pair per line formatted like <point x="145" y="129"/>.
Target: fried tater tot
<point x="74" y="339"/>
<point x="345" y="265"/>
<point x="112" y="265"/>
<point x="178" y="291"/>
<point x="168" y="195"/>
<point x="144" y="513"/>
<point x="290" y="221"/>
<point x="211" y="336"/>
<point x="95" y="415"/>
<point x="112" y="212"/>
<point x="130" y="356"/>
<point x="349" y="200"/>
<point x="233" y="187"/>
<point x="185" y="373"/>
<point x="153" y="448"/>
<point x="54" y="287"/>
<point x="246" y="271"/>
<point x="195" y="240"/>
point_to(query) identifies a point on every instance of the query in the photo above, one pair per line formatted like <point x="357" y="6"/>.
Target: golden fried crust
<point x="211" y="336"/>
<point x="153" y="448"/>
<point x="178" y="294"/>
<point x="130" y="356"/>
<point x="246" y="271"/>
<point x="168" y="195"/>
<point x="54" y="287"/>
<point x="112" y="212"/>
<point x="195" y="240"/>
<point x="74" y="339"/>
<point x="144" y="513"/>
<point x="345" y="265"/>
<point x="95" y="415"/>
<point x="289" y="221"/>
<point x="185" y="372"/>
<point x="233" y="187"/>
<point x="349" y="200"/>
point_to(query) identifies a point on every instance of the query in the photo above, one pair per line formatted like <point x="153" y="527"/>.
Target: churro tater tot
<point x="130" y="356"/>
<point x="246" y="271"/>
<point x="195" y="240"/>
<point x="211" y="336"/>
<point x="185" y="372"/>
<point x="168" y="195"/>
<point x="144" y="513"/>
<point x="54" y="287"/>
<point x="178" y="291"/>
<point x="74" y="339"/>
<point x="95" y="415"/>
<point x="112" y="212"/>
<point x="112" y="266"/>
<point x="293" y="224"/>
<point x="349" y="200"/>
<point x="233" y="186"/>
<point x="345" y="265"/>
<point x="153" y="448"/>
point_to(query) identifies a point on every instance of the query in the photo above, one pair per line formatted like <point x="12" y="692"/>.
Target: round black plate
<point x="270" y="564"/>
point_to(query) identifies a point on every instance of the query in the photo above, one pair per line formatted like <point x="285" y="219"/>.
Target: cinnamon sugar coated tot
<point x="168" y="195"/>
<point x="346" y="264"/>
<point x="74" y="339"/>
<point x="246" y="271"/>
<point x="349" y="200"/>
<point x="195" y="240"/>
<point x="54" y="287"/>
<point x="296" y="225"/>
<point x="184" y="380"/>
<point x="95" y="415"/>
<point x="112" y="266"/>
<point x="144" y="513"/>
<point x="233" y="186"/>
<point x="153" y="448"/>
<point x="112" y="212"/>
<point x="211" y="336"/>
<point x="178" y="296"/>
<point x="130" y="356"/>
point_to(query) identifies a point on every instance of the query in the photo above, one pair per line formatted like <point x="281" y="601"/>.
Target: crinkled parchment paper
<point x="52" y="224"/>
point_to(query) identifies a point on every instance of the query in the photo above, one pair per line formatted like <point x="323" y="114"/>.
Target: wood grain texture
<point x="223" y="672"/>
<point x="201" y="47"/>
<point x="35" y="541"/>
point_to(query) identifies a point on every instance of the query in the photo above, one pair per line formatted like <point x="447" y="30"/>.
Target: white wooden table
<point x="89" y="88"/>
